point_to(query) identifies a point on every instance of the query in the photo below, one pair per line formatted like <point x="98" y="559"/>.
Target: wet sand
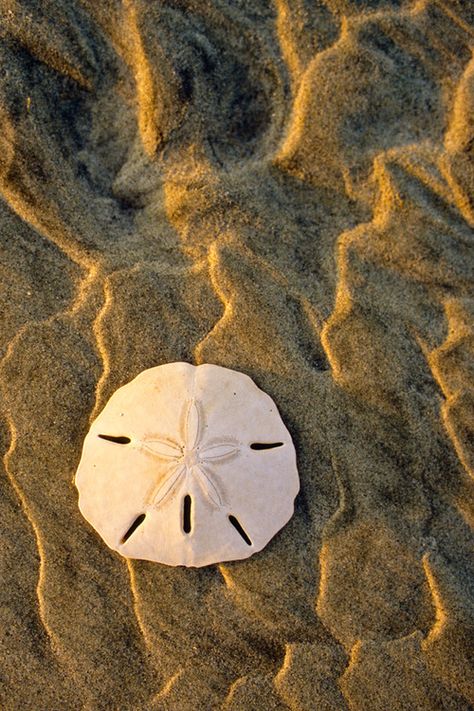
<point x="286" y="189"/>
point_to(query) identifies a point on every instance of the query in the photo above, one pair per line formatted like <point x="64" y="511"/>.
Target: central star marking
<point x="189" y="459"/>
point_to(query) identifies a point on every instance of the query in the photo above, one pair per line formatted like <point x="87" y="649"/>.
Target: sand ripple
<point x="282" y="188"/>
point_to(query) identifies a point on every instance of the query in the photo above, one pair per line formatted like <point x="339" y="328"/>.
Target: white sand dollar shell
<point x="188" y="465"/>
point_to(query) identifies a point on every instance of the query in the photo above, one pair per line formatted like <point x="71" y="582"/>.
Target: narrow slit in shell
<point x="265" y="445"/>
<point x="187" y="503"/>
<point x="138" y="521"/>
<point x="121" y="439"/>
<point x="236" y="524"/>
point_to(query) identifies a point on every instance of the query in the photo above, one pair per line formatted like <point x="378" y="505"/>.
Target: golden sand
<point x="284" y="188"/>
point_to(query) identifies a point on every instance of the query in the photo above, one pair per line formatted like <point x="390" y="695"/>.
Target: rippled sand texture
<point x="285" y="188"/>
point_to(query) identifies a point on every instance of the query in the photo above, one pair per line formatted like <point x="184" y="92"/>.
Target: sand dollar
<point x="188" y="465"/>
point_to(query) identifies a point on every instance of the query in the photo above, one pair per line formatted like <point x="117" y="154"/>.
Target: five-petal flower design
<point x="189" y="459"/>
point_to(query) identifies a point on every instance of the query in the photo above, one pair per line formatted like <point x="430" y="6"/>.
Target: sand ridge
<point x="283" y="188"/>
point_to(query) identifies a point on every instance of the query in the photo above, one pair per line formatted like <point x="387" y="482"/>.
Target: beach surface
<point x="282" y="188"/>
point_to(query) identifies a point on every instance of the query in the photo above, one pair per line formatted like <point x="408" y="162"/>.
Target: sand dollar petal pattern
<point x="188" y="465"/>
